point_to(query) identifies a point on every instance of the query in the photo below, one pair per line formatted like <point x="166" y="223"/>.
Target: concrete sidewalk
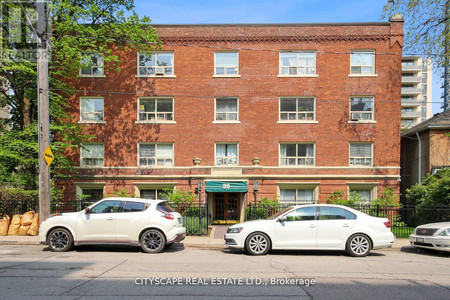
<point x="207" y="242"/>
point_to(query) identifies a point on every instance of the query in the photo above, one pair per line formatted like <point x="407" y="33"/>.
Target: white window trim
<point x="226" y="121"/>
<point x="314" y="121"/>
<point x="372" y="159"/>
<point x="156" y="157"/>
<point x="371" y="121"/>
<point x="373" y="74"/>
<point x="370" y="186"/>
<point x="226" y="143"/>
<point x="92" y="121"/>
<point x="156" y="76"/>
<point x="92" y="75"/>
<point x="155" y="121"/>
<point x="227" y="75"/>
<point x="298" y="75"/>
<point x="81" y="156"/>
<point x="298" y="186"/>
<point x="296" y="166"/>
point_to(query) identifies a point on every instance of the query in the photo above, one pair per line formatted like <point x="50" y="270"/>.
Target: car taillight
<point x="167" y="215"/>
<point x="387" y="224"/>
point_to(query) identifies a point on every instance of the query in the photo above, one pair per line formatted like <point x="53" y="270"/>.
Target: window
<point x="362" y="62"/>
<point x="364" y="193"/>
<point x="408" y="98"/>
<point x="407" y="63"/>
<point x="91" y="64"/>
<point x="226" y="63"/>
<point x="360" y="154"/>
<point x="153" y="194"/>
<point x="92" y="155"/>
<point x="92" y="109"/>
<point x="297" y="63"/>
<point x="297" y="109"/>
<point x="335" y="213"/>
<point x="361" y="108"/>
<point x="227" y="155"/>
<point x="227" y="109"/>
<point x="131" y="206"/>
<point x="92" y="195"/>
<point x="156" y="155"/>
<point x="104" y="207"/>
<point x="407" y="109"/>
<point x="296" y="154"/>
<point x="155" y="110"/>
<point x="407" y="122"/>
<point x="297" y="196"/>
<point x="158" y="64"/>
<point x="302" y="214"/>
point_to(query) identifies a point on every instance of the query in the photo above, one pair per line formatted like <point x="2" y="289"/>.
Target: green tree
<point x="387" y="198"/>
<point x="425" y="27"/>
<point x="433" y="191"/>
<point x="78" y="28"/>
<point x="339" y="198"/>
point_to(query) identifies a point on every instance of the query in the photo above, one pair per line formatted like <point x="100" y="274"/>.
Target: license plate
<point x="420" y="240"/>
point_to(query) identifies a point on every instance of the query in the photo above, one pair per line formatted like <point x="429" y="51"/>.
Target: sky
<point x="270" y="11"/>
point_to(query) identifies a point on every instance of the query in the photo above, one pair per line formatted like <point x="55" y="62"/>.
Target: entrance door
<point x="226" y="206"/>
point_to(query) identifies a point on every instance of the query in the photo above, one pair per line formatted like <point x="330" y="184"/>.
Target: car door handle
<point x="110" y="219"/>
<point x="346" y="225"/>
<point x="312" y="226"/>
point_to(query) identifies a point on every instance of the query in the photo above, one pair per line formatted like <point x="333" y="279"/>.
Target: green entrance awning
<point x="226" y="186"/>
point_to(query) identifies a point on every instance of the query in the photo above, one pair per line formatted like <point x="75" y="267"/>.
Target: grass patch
<point x="402" y="232"/>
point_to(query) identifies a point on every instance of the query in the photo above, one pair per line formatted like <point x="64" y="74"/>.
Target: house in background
<point x="296" y="111"/>
<point x="425" y="149"/>
<point x="416" y="90"/>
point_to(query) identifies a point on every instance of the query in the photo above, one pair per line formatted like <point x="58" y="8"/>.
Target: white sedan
<point x="435" y="236"/>
<point x="152" y="224"/>
<point x="306" y="227"/>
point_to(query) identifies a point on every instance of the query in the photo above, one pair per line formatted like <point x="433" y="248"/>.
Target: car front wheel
<point x="358" y="245"/>
<point x="257" y="244"/>
<point x="153" y="241"/>
<point x="60" y="240"/>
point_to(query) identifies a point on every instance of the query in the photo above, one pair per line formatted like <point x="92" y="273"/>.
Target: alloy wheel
<point x="152" y="241"/>
<point x="359" y="245"/>
<point x="258" y="244"/>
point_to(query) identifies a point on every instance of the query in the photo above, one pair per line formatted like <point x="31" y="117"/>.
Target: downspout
<point x="420" y="157"/>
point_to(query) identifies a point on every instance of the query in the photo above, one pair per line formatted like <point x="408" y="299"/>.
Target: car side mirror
<point x="86" y="210"/>
<point x="282" y="219"/>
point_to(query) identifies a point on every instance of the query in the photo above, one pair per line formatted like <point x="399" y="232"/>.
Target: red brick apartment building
<point x="296" y="110"/>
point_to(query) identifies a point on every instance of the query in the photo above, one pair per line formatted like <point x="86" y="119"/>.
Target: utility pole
<point x="43" y="112"/>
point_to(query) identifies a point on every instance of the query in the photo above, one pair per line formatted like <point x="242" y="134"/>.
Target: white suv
<point x="152" y="224"/>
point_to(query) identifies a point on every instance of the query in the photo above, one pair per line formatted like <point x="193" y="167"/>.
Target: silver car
<point x="435" y="236"/>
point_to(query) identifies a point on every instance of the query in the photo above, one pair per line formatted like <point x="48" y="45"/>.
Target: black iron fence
<point x="403" y="218"/>
<point x="196" y="218"/>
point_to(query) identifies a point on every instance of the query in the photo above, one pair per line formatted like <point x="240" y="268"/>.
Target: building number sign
<point x="226" y="186"/>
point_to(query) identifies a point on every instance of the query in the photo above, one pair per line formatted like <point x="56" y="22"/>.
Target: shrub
<point x="180" y="199"/>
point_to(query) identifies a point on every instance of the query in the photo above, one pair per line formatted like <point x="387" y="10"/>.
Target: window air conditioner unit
<point x="159" y="70"/>
<point x="355" y="116"/>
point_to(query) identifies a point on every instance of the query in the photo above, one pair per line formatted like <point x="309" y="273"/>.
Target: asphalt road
<point x="33" y="272"/>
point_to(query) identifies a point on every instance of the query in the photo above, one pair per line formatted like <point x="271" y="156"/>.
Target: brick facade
<point x="258" y="90"/>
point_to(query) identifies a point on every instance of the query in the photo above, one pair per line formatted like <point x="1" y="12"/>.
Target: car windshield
<point x="279" y="213"/>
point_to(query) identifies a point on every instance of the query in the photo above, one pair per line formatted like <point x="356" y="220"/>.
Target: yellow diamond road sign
<point x="48" y="155"/>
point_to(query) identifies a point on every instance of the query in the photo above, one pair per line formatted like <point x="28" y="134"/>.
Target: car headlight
<point x="234" y="230"/>
<point x="446" y="232"/>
